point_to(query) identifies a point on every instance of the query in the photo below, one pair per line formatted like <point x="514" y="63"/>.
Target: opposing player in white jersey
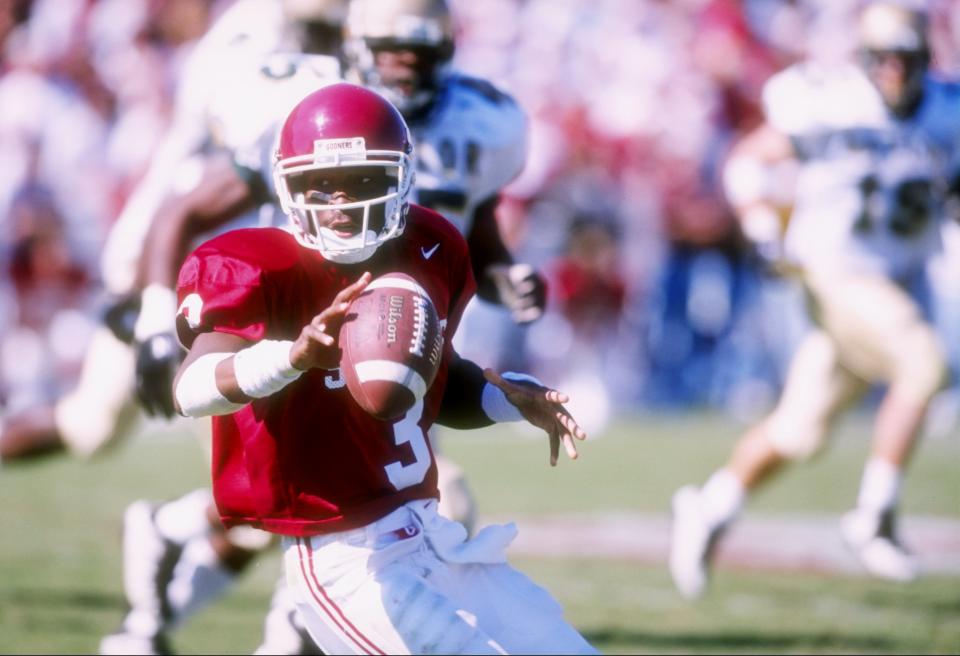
<point x="229" y="61"/>
<point x="470" y="141"/>
<point x="876" y="142"/>
<point x="470" y="136"/>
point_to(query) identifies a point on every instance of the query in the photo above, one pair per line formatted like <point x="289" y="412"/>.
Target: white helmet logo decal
<point x="330" y="152"/>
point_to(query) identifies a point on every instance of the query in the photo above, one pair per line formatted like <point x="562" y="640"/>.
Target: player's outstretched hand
<point x="542" y="407"/>
<point x="522" y="290"/>
<point x="317" y="345"/>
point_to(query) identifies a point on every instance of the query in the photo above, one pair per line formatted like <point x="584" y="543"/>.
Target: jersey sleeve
<point x="220" y="291"/>
<point x="503" y="142"/>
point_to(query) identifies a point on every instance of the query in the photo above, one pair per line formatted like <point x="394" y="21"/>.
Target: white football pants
<point x="411" y="583"/>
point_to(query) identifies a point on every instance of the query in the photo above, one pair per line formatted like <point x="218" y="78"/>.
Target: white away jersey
<point x="234" y="79"/>
<point x="870" y="187"/>
<point x="469" y="145"/>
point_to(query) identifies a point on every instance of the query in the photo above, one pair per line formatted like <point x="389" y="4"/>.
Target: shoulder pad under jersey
<point x="811" y="96"/>
<point x="940" y="111"/>
<point x="245" y="30"/>
<point x="472" y="144"/>
<point x="259" y="90"/>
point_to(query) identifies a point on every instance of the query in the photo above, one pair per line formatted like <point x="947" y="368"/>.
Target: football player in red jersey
<point x="374" y="567"/>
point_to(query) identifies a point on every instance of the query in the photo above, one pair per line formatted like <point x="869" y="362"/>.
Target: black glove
<point x="158" y="359"/>
<point x="120" y="316"/>
<point x="522" y="290"/>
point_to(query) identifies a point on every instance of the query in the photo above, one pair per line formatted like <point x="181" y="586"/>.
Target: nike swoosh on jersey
<point x="427" y="254"/>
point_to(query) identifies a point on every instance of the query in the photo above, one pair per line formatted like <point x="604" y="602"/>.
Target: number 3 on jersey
<point x="408" y="431"/>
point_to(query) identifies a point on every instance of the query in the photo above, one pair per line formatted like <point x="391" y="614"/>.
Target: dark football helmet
<point x="400" y="48"/>
<point x="894" y="53"/>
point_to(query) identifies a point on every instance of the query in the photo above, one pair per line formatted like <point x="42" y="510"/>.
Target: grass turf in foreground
<point x="60" y="587"/>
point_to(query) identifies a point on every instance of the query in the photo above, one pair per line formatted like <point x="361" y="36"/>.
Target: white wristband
<point x="197" y="393"/>
<point x="494" y="402"/>
<point x="158" y="312"/>
<point x="264" y="368"/>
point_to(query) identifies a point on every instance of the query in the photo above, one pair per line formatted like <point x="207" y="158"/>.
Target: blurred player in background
<point x="878" y="145"/>
<point x="232" y="54"/>
<point x="470" y="136"/>
<point x="471" y="142"/>
<point x="373" y="565"/>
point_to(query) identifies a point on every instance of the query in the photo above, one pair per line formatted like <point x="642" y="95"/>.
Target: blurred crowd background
<point x="656" y="303"/>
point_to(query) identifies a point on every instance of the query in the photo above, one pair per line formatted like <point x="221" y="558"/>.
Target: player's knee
<point x="428" y="621"/>
<point x="88" y="427"/>
<point x="249" y="538"/>
<point x="456" y="499"/>
<point x="795" y="437"/>
<point x="921" y="370"/>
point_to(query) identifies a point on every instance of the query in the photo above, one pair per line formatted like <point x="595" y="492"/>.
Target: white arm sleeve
<point x="197" y="393"/>
<point x="495" y="403"/>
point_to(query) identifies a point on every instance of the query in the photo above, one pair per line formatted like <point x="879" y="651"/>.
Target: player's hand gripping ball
<point x="391" y="346"/>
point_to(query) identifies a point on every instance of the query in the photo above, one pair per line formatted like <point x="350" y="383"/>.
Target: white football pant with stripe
<point x="411" y="583"/>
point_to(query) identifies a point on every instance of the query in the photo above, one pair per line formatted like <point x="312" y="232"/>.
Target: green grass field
<point x="60" y="587"/>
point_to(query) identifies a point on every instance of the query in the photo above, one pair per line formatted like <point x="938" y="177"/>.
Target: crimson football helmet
<point x="340" y="126"/>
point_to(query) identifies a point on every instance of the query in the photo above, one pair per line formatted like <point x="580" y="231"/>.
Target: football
<point x="391" y="345"/>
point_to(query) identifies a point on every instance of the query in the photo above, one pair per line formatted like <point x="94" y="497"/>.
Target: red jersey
<point x="308" y="459"/>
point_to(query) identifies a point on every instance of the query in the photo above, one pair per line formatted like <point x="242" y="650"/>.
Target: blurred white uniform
<point x="469" y="145"/>
<point x="237" y="104"/>
<point x="215" y="105"/>
<point x="868" y="201"/>
<point x="867" y="196"/>
<point x="233" y="86"/>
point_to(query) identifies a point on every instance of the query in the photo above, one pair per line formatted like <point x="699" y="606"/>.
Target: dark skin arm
<point x="487" y="248"/>
<point x="220" y="196"/>
<point x="520" y="288"/>
<point x="541" y="406"/>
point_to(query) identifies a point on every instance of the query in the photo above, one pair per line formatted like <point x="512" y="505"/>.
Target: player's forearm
<point x="167" y="244"/>
<point x="206" y="386"/>
<point x="219" y="382"/>
<point x="469" y="401"/>
<point x="220" y="196"/>
<point x="166" y="248"/>
<point x="487" y="248"/>
<point x="461" y="407"/>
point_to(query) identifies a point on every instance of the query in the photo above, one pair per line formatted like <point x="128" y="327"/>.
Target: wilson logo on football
<point x="391" y="343"/>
